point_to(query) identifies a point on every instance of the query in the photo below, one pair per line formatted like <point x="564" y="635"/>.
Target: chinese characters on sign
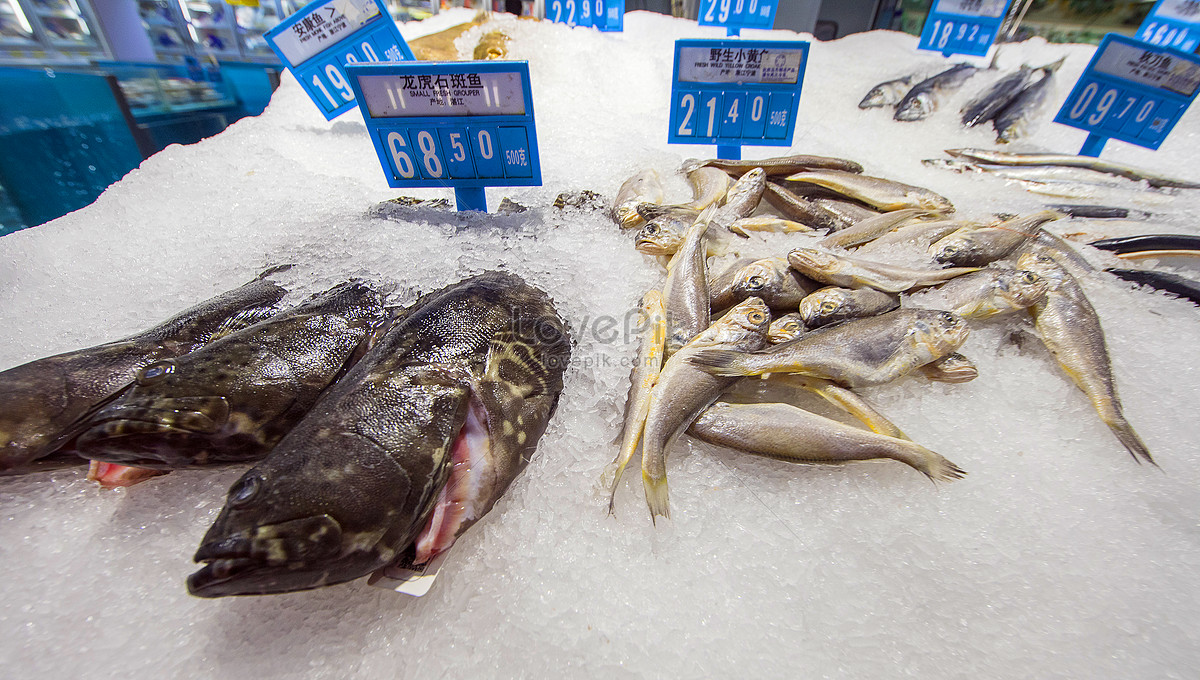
<point x="462" y="125"/>
<point x="736" y="92"/>
<point x="319" y="40"/>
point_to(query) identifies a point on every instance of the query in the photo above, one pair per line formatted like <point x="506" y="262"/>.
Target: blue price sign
<point x="1132" y="91"/>
<point x="606" y="15"/>
<point x="319" y="40"/>
<point x="450" y="124"/>
<point x="735" y="92"/>
<point x="963" y="26"/>
<point x="1173" y="23"/>
<point x="738" y="13"/>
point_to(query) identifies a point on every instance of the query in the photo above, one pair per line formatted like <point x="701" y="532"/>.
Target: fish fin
<point x="938" y="469"/>
<point x="631" y="437"/>
<point x="1132" y="442"/>
<point x="113" y="476"/>
<point x="720" y="362"/>
<point x="656" y="493"/>
<point x="275" y="269"/>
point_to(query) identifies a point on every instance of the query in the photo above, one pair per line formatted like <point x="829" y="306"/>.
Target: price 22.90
<point x="564" y="11"/>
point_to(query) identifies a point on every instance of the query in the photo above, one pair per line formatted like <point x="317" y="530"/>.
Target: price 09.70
<point x="1112" y="109"/>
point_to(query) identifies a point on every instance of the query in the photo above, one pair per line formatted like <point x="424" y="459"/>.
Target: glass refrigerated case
<point x="52" y="31"/>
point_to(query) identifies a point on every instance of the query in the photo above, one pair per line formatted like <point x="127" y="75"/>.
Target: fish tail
<point x="722" y="362"/>
<point x="654" y="482"/>
<point x="1130" y="439"/>
<point x="939" y="469"/>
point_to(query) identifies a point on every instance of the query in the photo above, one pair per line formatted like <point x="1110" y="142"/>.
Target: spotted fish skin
<point x="354" y="486"/>
<point x="41" y="399"/>
<point x="234" y="399"/>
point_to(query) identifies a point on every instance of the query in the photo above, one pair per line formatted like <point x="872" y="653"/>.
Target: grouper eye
<point x="245" y="490"/>
<point x="155" y="372"/>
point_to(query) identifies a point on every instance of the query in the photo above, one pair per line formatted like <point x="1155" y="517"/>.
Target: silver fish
<point x="993" y="292"/>
<point x="977" y="246"/>
<point x="992" y="100"/>
<point x="924" y="98"/>
<point x="771" y="279"/>
<point x="918" y="234"/>
<point x="877" y="192"/>
<point x="870" y="228"/>
<point x="685" y="292"/>
<point x="832" y="304"/>
<point x="779" y="165"/>
<point x="745" y="225"/>
<point x="743" y="197"/>
<point x="683" y="391"/>
<point x="1012" y="122"/>
<point x="887" y="93"/>
<point x="40" y="400"/>
<point x="642" y="379"/>
<point x="785" y="328"/>
<point x="799" y="209"/>
<point x="1050" y="159"/>
<point x="852" y="272"/>
<point x="856" y="353"/>
<point x="788" y="433"/>
<point x="407" y="451"/>
<point x="643" y="187"/>
<point x="1070" y="329"/>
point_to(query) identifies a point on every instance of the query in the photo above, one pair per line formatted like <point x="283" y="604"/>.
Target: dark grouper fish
<point x="40" y="399"/>
<point x="408" y="450"/>
<point x="234" y="399"/>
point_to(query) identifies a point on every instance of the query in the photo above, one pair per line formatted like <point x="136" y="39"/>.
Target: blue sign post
<point x="963" y="26"/>
<point x="605" y="15"/>
<point x="466" y="125"/>
<point x="735" y="15"/>
<point x="1172" y="23"/>
<point x="736" y="92"/>
<point x="319" y="40"/>
<point x="1131" y="91"/>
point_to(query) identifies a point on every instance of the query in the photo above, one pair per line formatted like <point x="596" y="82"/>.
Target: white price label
<point x="740" y="65"/>
<point x="975" y="8"/>
<point x="1187" y="11"/>
<point x="454" y="94"/>
<point x="323" y="27"/>
<point x="1149" y="67"/>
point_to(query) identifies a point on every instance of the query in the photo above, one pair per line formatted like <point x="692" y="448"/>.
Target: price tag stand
<point x="963" y="26"/>
<point x="1131" y="91"/>
<point x="462" y="125"/>
<point x="736" y="92"/>
<point x="317" y="42"/>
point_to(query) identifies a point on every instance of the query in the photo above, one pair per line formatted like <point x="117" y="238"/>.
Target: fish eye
<point x="756" y="317"/>
<point x="829" y="307"/>
<point x="756" y="282"/>
<point x="947" y="318"/>
<point x="651" y="229"/>
<point x="245" y="490"/>
<point x="155" y="372"/>
<point x="1029" y="277"/>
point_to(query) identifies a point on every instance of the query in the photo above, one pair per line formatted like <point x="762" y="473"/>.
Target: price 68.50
<point x="453" y="153"/>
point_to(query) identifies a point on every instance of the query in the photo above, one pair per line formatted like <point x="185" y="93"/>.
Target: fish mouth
<point x="155" y="435"/>
<point x="294" y="555"/>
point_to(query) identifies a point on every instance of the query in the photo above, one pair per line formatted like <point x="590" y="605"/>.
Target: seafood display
<point x="925" y="466"/>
